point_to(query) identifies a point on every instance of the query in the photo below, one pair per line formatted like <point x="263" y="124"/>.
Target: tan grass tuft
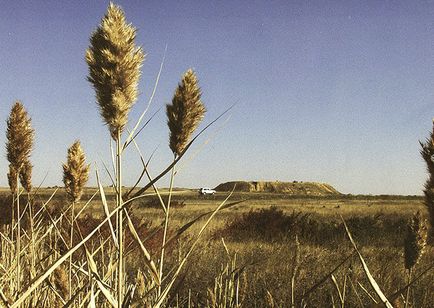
<point x="415" y="240"/>
<point x="427" y="152"/>
<point x="26" y="175"/>
<point x="185" y="113"/>
<point x="19" y="135"/>
<point x="12" y="178"/>
<point x="114" y="68"/>
<point x="60" y="280"/>
<point x="75" y="172"/>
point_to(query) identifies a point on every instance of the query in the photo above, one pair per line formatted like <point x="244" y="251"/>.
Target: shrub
<point x="154" y="203"/>
<point x="264" y="224"/>
<point x="273" y="224"/>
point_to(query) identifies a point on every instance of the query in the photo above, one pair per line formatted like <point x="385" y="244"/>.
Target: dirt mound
<point x="292" y="188"/>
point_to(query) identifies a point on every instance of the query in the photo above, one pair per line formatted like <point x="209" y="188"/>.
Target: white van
<point x="206" y="191"/>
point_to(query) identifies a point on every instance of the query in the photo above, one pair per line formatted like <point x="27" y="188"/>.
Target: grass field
<point x="265" y="252"/>
<point x="250" y="251"/>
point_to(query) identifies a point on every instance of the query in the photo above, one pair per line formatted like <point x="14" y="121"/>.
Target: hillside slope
<point x="292" y="188"/>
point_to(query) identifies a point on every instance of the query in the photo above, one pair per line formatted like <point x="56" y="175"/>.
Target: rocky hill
<point x="293" y="188"/>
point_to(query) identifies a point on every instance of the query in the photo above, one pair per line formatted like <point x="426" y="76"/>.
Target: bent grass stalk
<point x="166" y="224"/>
<point x="371" y="279"/>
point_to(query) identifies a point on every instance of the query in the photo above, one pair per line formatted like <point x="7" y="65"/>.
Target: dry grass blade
<point x="112" y="153"/>
<point x="145" y="169"/>
<point x="86" y="204"/>
<point x="212" y="136"/>
<point x="367" y="293"/>
<point x="270" y="300"/>
<point x="4" y="299"/>
<point x="93" y="268"/>
<point x="141" y="128"/>
<point x="132" y="135"/>
<point x="106" y="209"/>
<point x="45" y="203"/>
<point x="371" y="279"/>
<point x="6" y="239"/>
<point x="148" y="260"/>
<point x="53" y="224"/>
<point x="92" y="303"/>
<point x="325" y="277"/>
<point x="335" y="283"/>
<point x="74" y="297"/>
<point x="359" y="299"/>
<point x="413" y="281"/>
<point x="169" y="168"/>
<point x="187" y="226"/>
<point x="35" y="191"/>
<point x="86" y="297"/>
<point x="22" y="297"/>
<point x="129" y="297"/>
<point x="176" y="289"/>
<point x="163" y="295"/>
<point x="126" y="195"/>
<point x="109" y="174"/>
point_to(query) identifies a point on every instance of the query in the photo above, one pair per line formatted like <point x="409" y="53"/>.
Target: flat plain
<point x="272" y="249"/>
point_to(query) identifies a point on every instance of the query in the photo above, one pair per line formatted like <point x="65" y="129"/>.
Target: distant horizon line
<point x="6" y="188"/>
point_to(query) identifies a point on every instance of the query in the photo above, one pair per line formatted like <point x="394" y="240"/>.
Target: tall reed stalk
<point x="75" y="176"/>
<point x="114" y="70"/>
<point x="119" y="217"/>
<point x="183" y="117"/>
<point x="25" y="177"/>
<point x="166" y="225"/>
<point x="20" y="135"/>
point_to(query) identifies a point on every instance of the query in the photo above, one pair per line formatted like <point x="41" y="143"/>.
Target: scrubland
<point x="112" y="246"/>
<point x="250" y="256"/>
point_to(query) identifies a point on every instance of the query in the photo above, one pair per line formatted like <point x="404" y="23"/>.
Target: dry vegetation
<point x="249" y="251"/>
<point x="147" y="247"/>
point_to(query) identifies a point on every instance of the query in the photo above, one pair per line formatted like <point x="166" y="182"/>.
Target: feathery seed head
<point x="415" y="240"/>
<point x="185" y="113"/>
<point x="60" y="280"/>
<point x="26" y="175"/>
<point x="114" y="68"/>
<point x="20" y="135"/>
<point x="12" y="179"/>
<point x="427" y="152"/>
<point x="75" y="172"/>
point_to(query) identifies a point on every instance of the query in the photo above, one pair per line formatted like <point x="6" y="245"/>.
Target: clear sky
<point x="330" y="91"/>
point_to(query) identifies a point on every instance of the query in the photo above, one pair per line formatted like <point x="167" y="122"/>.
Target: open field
<point x="260" y="253"/>
<point x="316" y="91"/>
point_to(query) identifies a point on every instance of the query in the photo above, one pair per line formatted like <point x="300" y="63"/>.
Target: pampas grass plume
<point x="185" y="113"/>
<point x="60" y="280"/>
<point x="415" y="240"/>
<point x="26" y="175"/>
<point x="114" y="68"/>
<point x="12" y="178"/>
<point x="427" y="152"/>
<point x="19" y="135"/>
<point x="75" y="172"/>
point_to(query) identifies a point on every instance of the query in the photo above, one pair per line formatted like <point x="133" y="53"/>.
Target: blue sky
<point x="338" y="92"/>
